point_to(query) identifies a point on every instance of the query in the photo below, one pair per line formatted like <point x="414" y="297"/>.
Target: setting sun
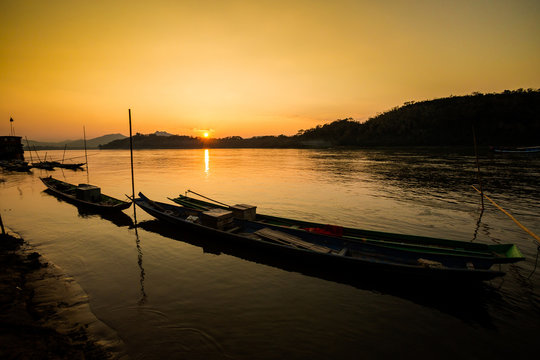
<point x="205" y="134"/>
<point x="249" y="68"/>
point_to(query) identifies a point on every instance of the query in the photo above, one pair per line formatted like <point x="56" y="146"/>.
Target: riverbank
<point x="44" y="313"/>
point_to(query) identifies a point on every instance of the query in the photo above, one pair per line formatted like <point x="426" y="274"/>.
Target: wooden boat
<point x="45" y="165"/>
<point x="518" y="150"/>
<point x="15" y="165"/>
<point x="84" y="195"/>
<point x="318" y="249"/>
<point x="479" y="255"/>
<point x="73" y="166"/>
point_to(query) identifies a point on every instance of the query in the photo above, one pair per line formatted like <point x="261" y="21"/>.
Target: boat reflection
<point x="466" y="302"/>
<point x="118" y="218"/>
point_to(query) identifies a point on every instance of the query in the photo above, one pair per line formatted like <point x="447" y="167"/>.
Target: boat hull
<point x="482" y="256"/>
<point x="107" y="203"/>
<point x="364" y="263"/>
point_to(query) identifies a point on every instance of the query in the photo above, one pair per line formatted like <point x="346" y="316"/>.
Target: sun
<point x="205" y="134"/>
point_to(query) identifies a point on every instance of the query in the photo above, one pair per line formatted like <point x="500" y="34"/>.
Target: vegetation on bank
<point x="505" y="119"/>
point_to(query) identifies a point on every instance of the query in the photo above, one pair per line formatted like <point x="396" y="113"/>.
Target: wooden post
<point x="86" y="155"/>
<point x="64" y="155"/>
<point x="2" y="226"/>
<point x="37" y="154"/>
<point x="132" y="176"/>
<point x="29" y="150"/>
<point x="478" y="168"/>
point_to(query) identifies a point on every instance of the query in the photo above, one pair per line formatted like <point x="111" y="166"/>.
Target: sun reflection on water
<point x="206" y="161"/>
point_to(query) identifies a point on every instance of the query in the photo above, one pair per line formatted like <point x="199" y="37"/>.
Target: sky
<point x="249" y="68"/>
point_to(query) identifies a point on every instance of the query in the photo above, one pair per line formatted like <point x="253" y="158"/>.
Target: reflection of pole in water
<point x="137" y="240"/>
<point x="142" y="300"/>
<point x="478" y="224"/>
<point x="478" y="168"/>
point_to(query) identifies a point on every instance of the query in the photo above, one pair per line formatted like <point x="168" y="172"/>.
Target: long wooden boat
<point x="85" y="195"/>
<point x="72" y="166"/>
<point x="319" y="249"/>
<point x="45" y="165"/>
<point x="517" y="150"/>
<point x="479" y="255"/>
<point x="15" y="165"/>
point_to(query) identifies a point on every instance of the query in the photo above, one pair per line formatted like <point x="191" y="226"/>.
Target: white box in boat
<point x="244" y="211"/>
<point x="88" y="192"/>
<point x="217" y="218"/>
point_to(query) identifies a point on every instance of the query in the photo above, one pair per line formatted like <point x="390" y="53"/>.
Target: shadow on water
<point x="118" y="218"/>
<point x="467" y="302"/>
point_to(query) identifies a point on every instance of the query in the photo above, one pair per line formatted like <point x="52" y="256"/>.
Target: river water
<point x="171" y="294"/>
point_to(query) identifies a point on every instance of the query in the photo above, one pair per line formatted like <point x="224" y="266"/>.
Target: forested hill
<point x="509" y="118"/>
<point x="505" y="119"/>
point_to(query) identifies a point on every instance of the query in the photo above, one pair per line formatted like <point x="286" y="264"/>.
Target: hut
<point x="11" y="148"/>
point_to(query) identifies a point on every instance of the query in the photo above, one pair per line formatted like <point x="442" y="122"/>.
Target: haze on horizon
<point x="249" y="67"/>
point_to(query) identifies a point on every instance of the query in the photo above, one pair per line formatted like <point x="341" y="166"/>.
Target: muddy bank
<point x="44" y="314"/>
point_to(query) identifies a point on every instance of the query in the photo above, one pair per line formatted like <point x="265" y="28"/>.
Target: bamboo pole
<point x="86" y="156"/>
<point x="132" y="175"/>
<point x="37" y="154"/>
<point x="29" y="149"/>
<point x="64" y="155"/>
<point x="478" y="167"/>
<point x="536" y="237"/>
<point x="131" y="154"/>
<point x="2" y="226"/>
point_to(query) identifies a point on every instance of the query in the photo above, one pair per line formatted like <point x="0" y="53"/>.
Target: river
<point x="169" y="294"/>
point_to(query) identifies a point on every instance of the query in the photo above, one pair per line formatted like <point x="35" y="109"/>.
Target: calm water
<point x="169" y="294"/>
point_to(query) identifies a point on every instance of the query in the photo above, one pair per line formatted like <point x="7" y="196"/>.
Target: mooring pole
<point x="478" y="168"/>
<point x="64" y="155"/>
<point x="86" y="155"/>
<point x="131" y="154"/>
<point x="37" y="154"/>
<point x="29" y="150"/>
<point x="2" y="226"/>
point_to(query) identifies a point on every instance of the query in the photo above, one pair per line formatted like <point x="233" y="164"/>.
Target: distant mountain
<point x="75" y="144"/>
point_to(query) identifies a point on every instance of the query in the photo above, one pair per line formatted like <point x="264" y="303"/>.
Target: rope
<point x="536" y="237"/>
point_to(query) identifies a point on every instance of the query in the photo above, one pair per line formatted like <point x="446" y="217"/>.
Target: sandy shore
<point x="44" y="314"/>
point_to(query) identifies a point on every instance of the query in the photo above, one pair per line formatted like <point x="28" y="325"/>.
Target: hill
<point x="74" y="144"/>
<point x="506" y="119"/>
<point x="510" y="118"/>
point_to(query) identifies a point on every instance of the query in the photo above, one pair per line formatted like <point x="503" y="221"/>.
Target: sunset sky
<point x="249" y="67"/>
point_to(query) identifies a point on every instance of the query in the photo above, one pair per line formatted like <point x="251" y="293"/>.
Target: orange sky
<point x="249" y="67"/>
